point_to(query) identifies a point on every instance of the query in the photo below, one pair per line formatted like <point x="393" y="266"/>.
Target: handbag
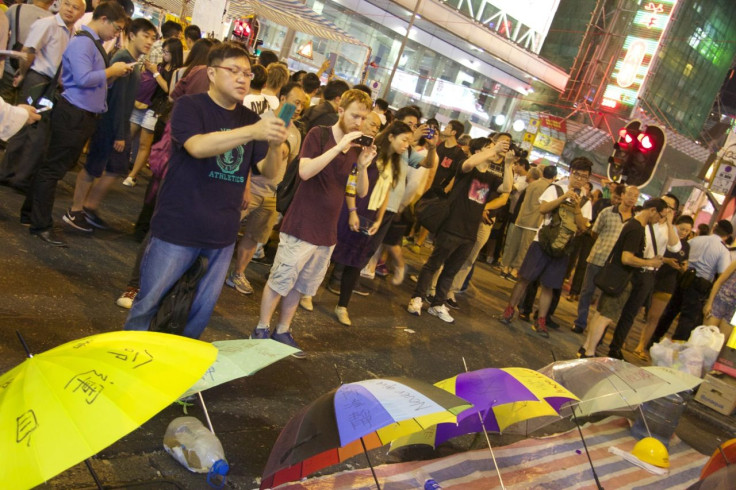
<point x="432" y="210"/>
<point x="613" y="278"/>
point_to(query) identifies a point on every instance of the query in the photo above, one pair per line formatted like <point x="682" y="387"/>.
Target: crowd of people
<point x="366" y="182"/>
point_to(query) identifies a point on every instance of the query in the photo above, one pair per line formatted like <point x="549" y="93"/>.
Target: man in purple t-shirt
<point x="309" y="229"/>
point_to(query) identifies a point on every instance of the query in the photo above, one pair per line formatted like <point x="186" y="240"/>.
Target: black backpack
<point x="555" y="238"/>
<point x="286" y="189"/>
<point x="173" y="312"/>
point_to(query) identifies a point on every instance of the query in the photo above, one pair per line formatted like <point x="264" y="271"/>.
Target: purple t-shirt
<point x="200" y="198"/>
<point x="312" y="214"/>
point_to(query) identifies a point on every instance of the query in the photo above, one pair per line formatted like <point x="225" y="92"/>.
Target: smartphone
<point x="430" y="133"/>
<point x="43" y="109"/>
<point x="363" y="140"/>
<point x="43" y="105"/>
<point x="287" y="112"/>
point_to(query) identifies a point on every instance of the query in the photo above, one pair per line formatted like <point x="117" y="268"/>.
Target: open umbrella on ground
<point x="724" y="455"/>
<point x="237" y="359"/>
<point x="64" y="405"/>
<point x="512" y="400"/>
<point x="604" y="384"/>
<point x="354" y="417"/>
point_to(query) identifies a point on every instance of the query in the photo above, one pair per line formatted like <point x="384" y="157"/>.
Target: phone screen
<point x="287" y="112"/>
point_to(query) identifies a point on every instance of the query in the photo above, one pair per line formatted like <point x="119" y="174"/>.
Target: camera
<point x="518" y="151"/>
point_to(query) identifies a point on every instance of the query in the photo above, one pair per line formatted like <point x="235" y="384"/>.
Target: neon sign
<point x="640" y="46"/>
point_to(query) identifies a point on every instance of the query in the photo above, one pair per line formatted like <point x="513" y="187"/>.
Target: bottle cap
<point x="216" y="477"/>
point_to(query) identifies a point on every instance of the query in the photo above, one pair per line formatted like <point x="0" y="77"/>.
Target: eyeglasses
<point x="579" y="175"/>
<point x="118" y="27"/>
<point x="236" y="72"/>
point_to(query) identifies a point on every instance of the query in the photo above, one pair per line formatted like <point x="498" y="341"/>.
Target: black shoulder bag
<point x="17" y="45"/>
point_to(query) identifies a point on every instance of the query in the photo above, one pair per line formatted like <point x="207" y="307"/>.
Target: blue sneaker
<point x="288" y="339"/>
<point x="260" y="333"/>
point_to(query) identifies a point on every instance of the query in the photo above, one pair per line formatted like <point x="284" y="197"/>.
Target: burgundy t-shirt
<point x="313" y="213"/>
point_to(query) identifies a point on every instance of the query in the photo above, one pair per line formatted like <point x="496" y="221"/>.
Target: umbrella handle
<point x="365" y="451"/>
<point x="585" y="445"/>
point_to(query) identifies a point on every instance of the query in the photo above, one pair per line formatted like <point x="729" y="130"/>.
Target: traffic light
<point x="636" y="154"/>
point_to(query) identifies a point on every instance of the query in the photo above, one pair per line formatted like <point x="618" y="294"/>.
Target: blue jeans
<point x="586" y="295"/>
<point x="163" y="264"/>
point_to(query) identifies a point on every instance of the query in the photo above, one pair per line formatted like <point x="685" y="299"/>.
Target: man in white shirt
<point x="539" y="264"/>
<point x="709" y="258"/>
<point x="44" y="46"/>
<point x="29" y="13"/>
<point x="277" y="76"/>
<point x="658" y="237"/>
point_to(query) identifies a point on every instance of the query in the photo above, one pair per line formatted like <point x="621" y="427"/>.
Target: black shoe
<point x="577" y="329"/>
<point x="360" y="290"/>
<point x="552" y="324"/>
<point x="452" y="303"/>
<point x="525" y="317"/>
<point x="581" y="354"/>
<point x="333" y="286"/>
<point x="49" y="237"/>
<point x="76" y="220"/>
<point x="263" y="261"/>
<point x="429" y="299"/>
<point x="616" y="354"/>
<point x="93" y="219"/>
<point x="25" y="221"/>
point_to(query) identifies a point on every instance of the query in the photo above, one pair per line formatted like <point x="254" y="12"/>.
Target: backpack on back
<point x="555" y="238"/>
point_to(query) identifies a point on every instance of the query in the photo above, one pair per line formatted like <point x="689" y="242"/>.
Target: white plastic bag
<point x="709" y="340"/>
<point x="664" y="353"/>
<point x="707" y="336"/>
<point x="691" y="360"/>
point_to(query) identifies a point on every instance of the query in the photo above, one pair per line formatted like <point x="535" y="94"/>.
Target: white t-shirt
<point x="550" y="194"/>
<point x="260" y="103"/>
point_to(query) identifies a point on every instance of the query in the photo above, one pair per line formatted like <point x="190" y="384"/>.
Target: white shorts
<point x="298" y="265"/>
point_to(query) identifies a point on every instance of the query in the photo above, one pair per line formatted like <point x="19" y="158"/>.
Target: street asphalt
<point x="54" y="295"/>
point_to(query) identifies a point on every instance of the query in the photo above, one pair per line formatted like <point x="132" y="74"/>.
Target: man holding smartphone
<point x="261" y="215"/>
<point x="37" y="78"/>
<point x="85" y="75"/>
<point x="309" y="229"/>
<point x="108" y="157"/>
<point x="215" y="144"/>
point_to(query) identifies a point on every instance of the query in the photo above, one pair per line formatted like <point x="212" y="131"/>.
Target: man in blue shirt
<point x="85" y="75"/>
<point x="215" y="141"/>
<point x="709" y="258"/>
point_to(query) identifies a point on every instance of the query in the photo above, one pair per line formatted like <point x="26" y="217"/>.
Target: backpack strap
<point x="654" y="240"/>
<point x="17" y="23"/>
<point x="98" y="45"/>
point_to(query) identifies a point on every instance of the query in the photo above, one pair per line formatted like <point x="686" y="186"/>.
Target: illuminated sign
<point x="640" y="46"/>
<point x="523" y="22"/>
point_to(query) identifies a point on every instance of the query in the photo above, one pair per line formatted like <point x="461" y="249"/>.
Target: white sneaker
<point x="415" y="306"/>
<point x="441" y="313"/>
<point x="398" y="276"/>
<point x="306" y="303"/>
<point x="369" y="271"/>
<point x="129" y="182"/>
<point x="259" y="253"/>
<point x="239" y="282"/>
<point x="341" y="313"/>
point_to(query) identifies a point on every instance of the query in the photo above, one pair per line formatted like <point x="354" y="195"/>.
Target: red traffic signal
<point x="636" y="154"/>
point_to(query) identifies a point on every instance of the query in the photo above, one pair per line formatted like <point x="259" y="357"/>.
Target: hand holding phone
<point x="43" y="109"/>
<point x="287" y="112"/>
<point x="364" y="140"/>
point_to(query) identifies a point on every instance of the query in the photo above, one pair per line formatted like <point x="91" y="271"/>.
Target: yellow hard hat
<point x="652" y="451"/>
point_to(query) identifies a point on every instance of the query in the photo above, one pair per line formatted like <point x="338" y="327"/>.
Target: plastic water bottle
<point x="197" y="449"/>
<point x="432" y="484"/>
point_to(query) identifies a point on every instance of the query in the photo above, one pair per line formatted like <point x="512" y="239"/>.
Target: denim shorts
<point x="298" y="265"/>
<point x="144" y="118"/>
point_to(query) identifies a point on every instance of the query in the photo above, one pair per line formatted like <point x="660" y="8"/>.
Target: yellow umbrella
<point x="64" y="405"/>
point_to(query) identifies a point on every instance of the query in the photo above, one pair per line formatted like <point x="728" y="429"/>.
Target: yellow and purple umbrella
<point x="515" y="400"/>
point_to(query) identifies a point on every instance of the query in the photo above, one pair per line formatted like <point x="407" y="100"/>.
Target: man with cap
<point x="709" y="257"/>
